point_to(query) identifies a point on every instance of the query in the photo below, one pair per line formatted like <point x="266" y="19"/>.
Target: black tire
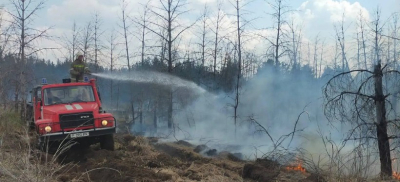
<point x="30" y="124"/>
<point x="44" y="145"/>
<point x="107" y="142"/>
<point x="29" y="117"/>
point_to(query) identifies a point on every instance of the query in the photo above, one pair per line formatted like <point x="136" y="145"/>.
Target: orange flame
<point x="396" y="175"/>
<point x="296" y="168"/>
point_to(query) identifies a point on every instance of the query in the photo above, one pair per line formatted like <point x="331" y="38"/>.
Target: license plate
<point x="77" y="135"/>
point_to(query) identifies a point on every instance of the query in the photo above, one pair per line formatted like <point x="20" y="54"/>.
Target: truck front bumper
<point x="76" y="134"/>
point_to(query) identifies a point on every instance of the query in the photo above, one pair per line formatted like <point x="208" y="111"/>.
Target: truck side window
<point x="31" y="96"/>
<point x="39" y="95"/>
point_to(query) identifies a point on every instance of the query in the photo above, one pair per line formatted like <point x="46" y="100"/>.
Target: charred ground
<point x="136" y="158"/>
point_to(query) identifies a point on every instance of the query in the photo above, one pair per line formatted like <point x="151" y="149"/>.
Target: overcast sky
<point x="317" y="17"/>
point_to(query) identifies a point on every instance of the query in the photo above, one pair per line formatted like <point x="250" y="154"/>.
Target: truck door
<point x="37" y="102"/>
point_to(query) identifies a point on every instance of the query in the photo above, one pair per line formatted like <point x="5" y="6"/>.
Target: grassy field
<point x="137" y="158"/>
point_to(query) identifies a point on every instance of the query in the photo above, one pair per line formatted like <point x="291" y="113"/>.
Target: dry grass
<point x="338" y="166"/>
<point x="211" y="172"/>
<point x="135" y="158"/>
<point x="19" y="160"/>
<point x="200" y="168"/>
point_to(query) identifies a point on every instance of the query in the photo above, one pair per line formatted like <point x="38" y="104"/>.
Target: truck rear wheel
<point x="107" y="142"/>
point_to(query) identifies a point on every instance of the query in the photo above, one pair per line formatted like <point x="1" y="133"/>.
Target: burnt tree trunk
<point x="170" y="105"/>
<point x="132" y="124"/>
<point x="278" y="33"/>
<point x="381" y="128"/>
<point x="170" y="41"/>
<point x="239" y="73"/>
<point x="155" y="119"/>
<point x="141" y="116"/>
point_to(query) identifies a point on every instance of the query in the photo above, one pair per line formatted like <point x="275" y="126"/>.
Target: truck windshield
<point x="62" y="95"/>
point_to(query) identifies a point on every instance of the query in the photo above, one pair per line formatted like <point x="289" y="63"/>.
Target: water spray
<point x="152" y="77"/>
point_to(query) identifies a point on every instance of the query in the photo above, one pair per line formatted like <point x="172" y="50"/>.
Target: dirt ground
<point x="136" y="158"/>
<point x="139" y="159"/>
<point x="144" y="159"/>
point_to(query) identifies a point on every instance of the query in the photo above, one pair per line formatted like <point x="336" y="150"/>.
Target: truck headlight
<point x="47" y="129"/>
<point x="104" y="122"/>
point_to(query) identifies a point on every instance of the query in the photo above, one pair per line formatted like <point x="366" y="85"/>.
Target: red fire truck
<point x="71" y="111"/>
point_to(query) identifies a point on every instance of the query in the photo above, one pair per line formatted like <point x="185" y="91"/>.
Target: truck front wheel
<point x="107" y="142"/>
<point x="46" y="145"/>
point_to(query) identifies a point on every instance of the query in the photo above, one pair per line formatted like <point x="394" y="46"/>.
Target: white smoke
<point x="277" y="107"/>
<point x="277" y="102"/>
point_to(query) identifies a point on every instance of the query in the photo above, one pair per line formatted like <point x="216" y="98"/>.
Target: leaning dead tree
<point x="362" y="101"/>
<point x="358" y="97"/>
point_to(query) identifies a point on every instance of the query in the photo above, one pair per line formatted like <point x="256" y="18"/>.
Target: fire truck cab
<point x="71" y="111"/>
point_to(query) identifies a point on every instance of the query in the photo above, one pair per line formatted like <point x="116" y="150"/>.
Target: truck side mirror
<point x="39" y="100"/>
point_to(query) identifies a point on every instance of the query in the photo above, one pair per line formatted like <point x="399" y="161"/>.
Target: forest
<point x="271" y="91"/>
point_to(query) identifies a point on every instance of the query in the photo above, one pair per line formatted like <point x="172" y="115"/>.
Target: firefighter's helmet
<point x="78" y="54"/>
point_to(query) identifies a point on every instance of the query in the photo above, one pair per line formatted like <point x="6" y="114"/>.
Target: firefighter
<point x="51" y="99"/>
<point x="78" y="68"/>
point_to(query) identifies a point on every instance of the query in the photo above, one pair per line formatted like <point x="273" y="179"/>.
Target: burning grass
<point x="297" y="165"/>
<point x="296" y="168"/>
<point x="396" y="175"/>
